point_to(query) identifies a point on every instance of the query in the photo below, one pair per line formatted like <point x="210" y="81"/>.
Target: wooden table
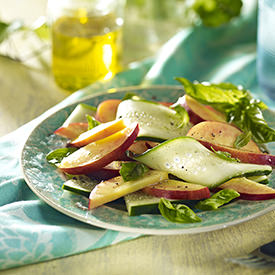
<point x="26" y="93"/>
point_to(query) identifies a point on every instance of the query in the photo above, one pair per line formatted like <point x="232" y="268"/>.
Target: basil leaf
<point x="238" y="105"/>
<point x="182" y="114"/>
<point x="92" y="122"/>
<point x="56" y="156"/>
<point x="242" y="139"/>
<point x="214" y="13"/>
<point x="7" y="29"/>
<point x="42" y="30"/>
<point x="224" y="94"/>
<point x="179" y="213"/>
<point x="247" y="115"/>
<point x="132" y="170"/>
<point x="224" y="155"/>
<point x="218" y="199"/>
<point x="132" y="96"/>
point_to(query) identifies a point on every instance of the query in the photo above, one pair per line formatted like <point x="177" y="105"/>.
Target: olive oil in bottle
<point x="85" y="48"/>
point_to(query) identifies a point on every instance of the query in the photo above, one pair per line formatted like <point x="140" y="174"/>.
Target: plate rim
<point x="106" y="225"/>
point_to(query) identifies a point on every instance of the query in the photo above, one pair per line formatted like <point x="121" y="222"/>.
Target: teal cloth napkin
<point x="30" y="230"/>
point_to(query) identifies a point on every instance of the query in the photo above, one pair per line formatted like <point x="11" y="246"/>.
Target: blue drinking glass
<point x="266" y="47"/>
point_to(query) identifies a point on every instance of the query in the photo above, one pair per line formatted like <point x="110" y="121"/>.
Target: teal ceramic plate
<point x="46" y="181"/>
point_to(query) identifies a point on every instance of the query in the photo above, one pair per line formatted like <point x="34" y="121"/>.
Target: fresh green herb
<point x="179" y="213"/>
<point x="132" y="96"/>
<point x="217" y="12"/>
<point x="182" y="114"/>
<point x="132" y="170"/>
<point x="92" y="122"/>
<point x="7" y="29"/>
<point x="225" y="155"/>
<point x="218" y="199"/>
<point x="242" y="139"/>
<point x="238" y="105"/>
<point x="56" y="156"/>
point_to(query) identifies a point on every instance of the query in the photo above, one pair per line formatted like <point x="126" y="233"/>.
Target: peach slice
<point x="199" y="112"/>
<point x="101" y="131"/>
<point x="175" y="189"/>
<point x="72" y="130"/>
<point x="249" y="190"/>
<point x="106" y="110"/>
<point x="98" y="154"/>
<point x="220" y="133"/>
<point x="140" y="146"/>
<point x="243" y="156"/>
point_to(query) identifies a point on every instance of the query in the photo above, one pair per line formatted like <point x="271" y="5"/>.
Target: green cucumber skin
<point x="156" y="122"/>
<point x="80" y="187"/>
<point x="79" y="114"/>
<point x="187" y="159"/>
<point x="139" y="203"/>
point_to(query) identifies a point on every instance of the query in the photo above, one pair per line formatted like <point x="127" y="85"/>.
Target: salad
<point x="174" y="158"/>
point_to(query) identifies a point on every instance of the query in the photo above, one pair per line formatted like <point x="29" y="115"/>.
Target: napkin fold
<point x="30" y="230"/>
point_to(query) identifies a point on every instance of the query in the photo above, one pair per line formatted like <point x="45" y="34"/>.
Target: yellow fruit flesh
<point x="95" y="150"/>
<point x="101" y="131"/>
<point x="116" y="188"/>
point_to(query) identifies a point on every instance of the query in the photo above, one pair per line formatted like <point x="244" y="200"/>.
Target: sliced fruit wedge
<point x="72" y="130"/>
<point x="199" y="112"/>
<point x="220" y="133"/>
<point x="115" y="188"/>
<point x="249" y="190"/>
<point x="243" y="156"/>
<point x="106" y="110"/>
<point x="98" y="154"/>
<point x="140" y="146"/>
<point x="76" y="123"/>
<point x="175" y="189"/>
<point x="101" y="131"/>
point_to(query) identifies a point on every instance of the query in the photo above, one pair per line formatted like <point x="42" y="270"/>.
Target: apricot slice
<point x="101" y="131"/>
<point x="249" y="190"/>
<point x="220" y="133"/>
<point x="106" y="110"/>
<point x="199" y="112"/>
<point x="175" y="189"/>
<point x="98" y="154"/>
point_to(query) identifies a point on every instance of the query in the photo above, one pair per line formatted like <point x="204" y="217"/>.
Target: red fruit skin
<point x="72" y="131"/>
<point x="243" y="156"/>
<point x="106" y="159"/>
<point x="199" y="112"/>
<point x="106" y="110"/>
<point x="248" y="189"/>
<point x="199" y="194"/>
<point x="109" y="171"/>
<point x="256" y="197"/>
<point x="220" y="133"/>
<point x="194" y="118"/>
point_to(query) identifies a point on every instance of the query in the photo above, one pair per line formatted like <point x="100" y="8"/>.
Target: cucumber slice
<point x="261" y="179"/>
<point x="156" y="122"/>
<point x="80" y="185"/>
<point x="187" y="159"/>
<point x="79" y="114"/>
<point x="139" y="203"/>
